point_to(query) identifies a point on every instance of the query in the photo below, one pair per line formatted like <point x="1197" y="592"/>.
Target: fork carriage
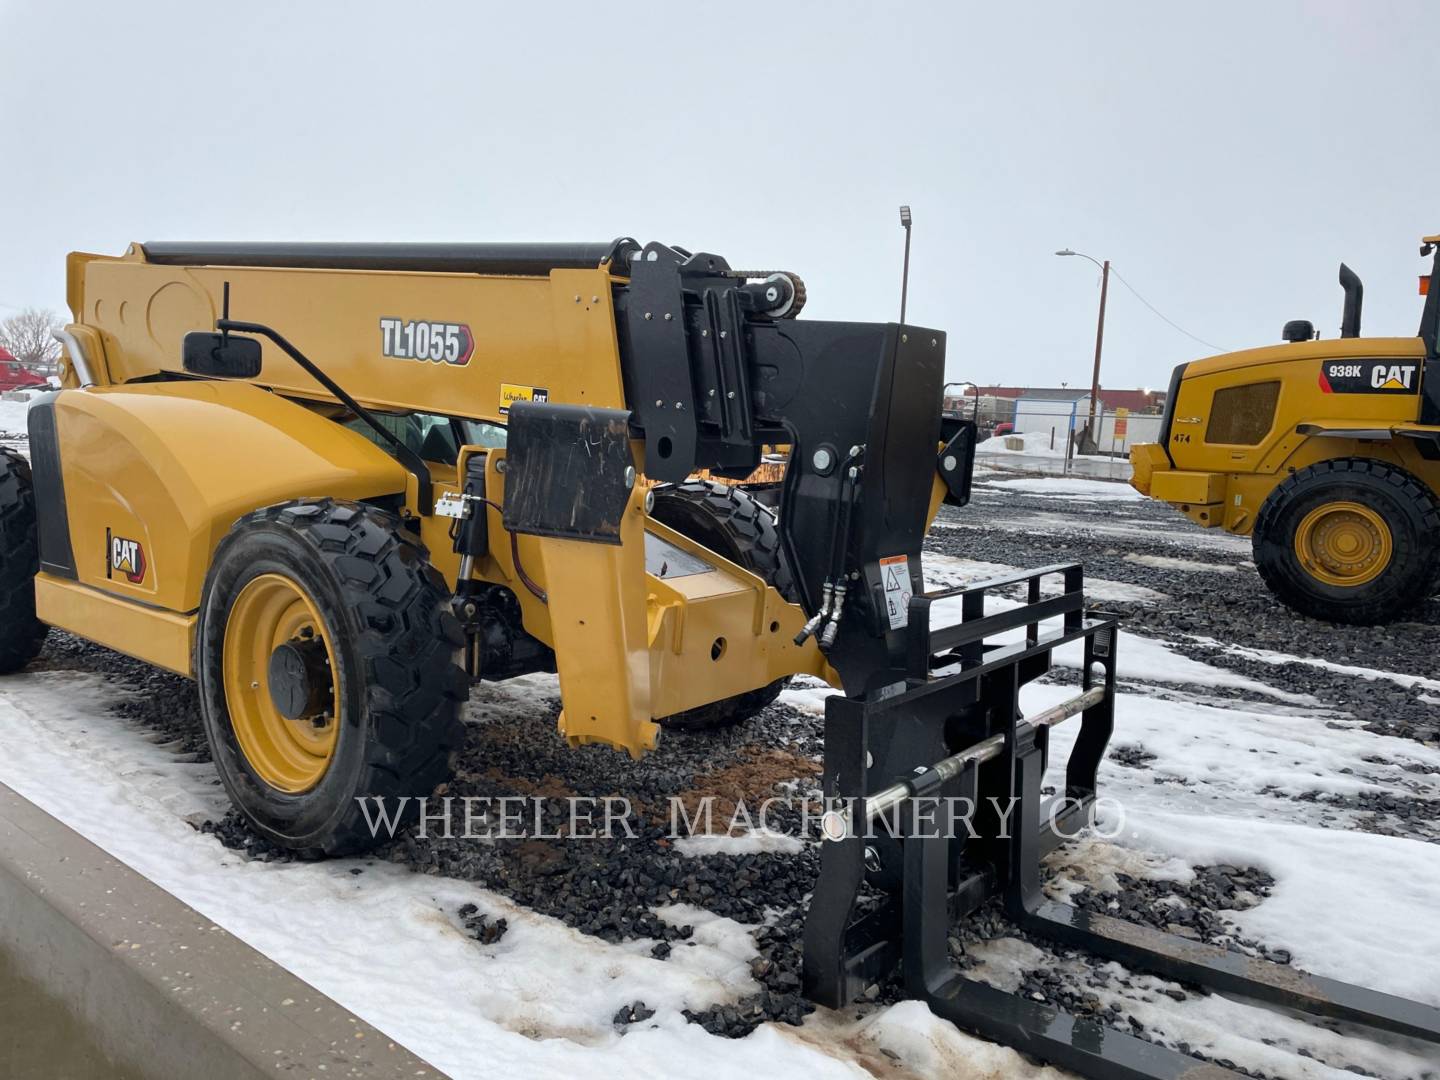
<point x="899" y="866"/>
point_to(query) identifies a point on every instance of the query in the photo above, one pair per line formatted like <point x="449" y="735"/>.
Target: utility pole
<point x="1099" y="333"/>
<point x="1099" y="341"/>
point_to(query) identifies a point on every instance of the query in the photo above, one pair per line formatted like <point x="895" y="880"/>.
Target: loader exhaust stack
<point x="1354" y="297"/>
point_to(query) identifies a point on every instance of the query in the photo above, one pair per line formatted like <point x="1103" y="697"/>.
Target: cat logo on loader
<point x="1392" y="376"/>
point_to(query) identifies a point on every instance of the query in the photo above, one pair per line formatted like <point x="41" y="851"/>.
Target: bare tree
<point x="29" y="336"/>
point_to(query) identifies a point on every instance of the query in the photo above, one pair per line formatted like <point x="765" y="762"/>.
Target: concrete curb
<point x="156" y="989"/>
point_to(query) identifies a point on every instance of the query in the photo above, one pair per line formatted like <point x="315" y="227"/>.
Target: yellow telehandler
<point x="334" y="483"/>
<point x="1325" y="452"/>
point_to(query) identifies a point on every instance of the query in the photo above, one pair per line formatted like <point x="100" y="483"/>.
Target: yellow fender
<point x="154" y="475"/>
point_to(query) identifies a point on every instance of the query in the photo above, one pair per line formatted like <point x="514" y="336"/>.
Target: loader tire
<point x="730" y="522"/>
<point x="21" y="633"/>
<point x="1352" y="540"/>
<point x="364" y="704"/>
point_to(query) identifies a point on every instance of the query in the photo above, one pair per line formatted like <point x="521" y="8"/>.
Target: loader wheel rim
<point x="1344" y="544"/>
<point x="272" y="613"/>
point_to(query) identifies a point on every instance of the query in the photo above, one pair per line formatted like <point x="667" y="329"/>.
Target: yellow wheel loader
<point x="334" y="483"/>
<point x="1325" y="452"/>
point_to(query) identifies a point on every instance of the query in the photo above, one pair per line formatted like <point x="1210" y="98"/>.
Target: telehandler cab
<point x="1325" y="452"/>
<point x="335" y="482"/>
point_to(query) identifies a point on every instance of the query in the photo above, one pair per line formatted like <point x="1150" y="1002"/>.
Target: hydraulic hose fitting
<point x="833" y="626"/>
<point x="827" y="597"/>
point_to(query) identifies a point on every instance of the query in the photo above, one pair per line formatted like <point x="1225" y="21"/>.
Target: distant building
<point x="1137" y="401"/>
<point x="1041" y="412"/>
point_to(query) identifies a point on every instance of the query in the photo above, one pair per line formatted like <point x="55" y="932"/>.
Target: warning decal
<point x="895" y="580"/>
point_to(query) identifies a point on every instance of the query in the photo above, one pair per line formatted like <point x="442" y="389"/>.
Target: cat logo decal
<point x="124" y="557"/>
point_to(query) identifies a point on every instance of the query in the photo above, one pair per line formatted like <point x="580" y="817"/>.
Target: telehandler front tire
<point x="1352" y="540"/>
<point x="21" y="633"/>
<point x="733" y="523"/>
<point x="326" y="656"/>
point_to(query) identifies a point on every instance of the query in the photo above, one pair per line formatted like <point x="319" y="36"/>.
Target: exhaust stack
<point x="1354" y="296"/>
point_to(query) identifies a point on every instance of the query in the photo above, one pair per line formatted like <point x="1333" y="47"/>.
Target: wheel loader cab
<point x="1346" y="430"/>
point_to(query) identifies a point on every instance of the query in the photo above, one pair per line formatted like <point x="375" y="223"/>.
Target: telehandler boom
<point x="334" y="483"/>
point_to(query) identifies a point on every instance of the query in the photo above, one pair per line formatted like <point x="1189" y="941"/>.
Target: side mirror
<point x="234" y="357"/>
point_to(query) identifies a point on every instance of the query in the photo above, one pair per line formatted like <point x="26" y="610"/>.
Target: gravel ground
<point x="1231" y="605"/>
<point x="611" y="888"/>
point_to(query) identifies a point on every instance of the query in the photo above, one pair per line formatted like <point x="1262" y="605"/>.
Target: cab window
<point x="434" y="438"/>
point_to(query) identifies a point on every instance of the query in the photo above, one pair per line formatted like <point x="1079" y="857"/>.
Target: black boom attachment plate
<point x="568" y="471"/>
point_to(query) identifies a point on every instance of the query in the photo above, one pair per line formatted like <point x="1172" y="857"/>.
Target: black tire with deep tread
<point x="21" y="633"/>
<point x="396" y="646"/>
<point x="1406" y="504"/>
<point x="730" y="522"/>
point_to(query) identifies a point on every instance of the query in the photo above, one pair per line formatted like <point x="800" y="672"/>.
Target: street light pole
<point x="1099" y="332"/>
<point x="1099" y="341"/>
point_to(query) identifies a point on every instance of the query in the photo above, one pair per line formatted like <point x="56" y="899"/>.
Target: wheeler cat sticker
<point x="435" y="342"/>
<point x="124" y="557"/>
<point x="513" y="392"/>
<point x="1370" y="376"/>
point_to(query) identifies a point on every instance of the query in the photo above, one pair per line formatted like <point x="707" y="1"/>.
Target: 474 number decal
<point x="420" y="339"/>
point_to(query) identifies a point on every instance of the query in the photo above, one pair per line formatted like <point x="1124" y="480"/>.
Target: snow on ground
<point x="1068" y="487"/>
<point x="1139" y="658"/>
<point x="1228" y="1029"/>
<point x="807" y="694"/>
<point x="12" y="417"/>
<point x="943" y="571"/>
<point x="1035" y="444"/>
<point x="537" y="1004"/>
<point x="1116" y="522"/>
<point x="13" y="428"/>
<point x="745" y="843"/>
<point x="1209" y="798"/>
<point x="1165" y="562"/>
<point x="1269" y="656"/>
<point x="1236" y="766"/>
<point x="1038" y="457"/>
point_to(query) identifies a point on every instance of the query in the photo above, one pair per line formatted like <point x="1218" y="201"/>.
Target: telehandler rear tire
<point x="733" y="523"/>
<point x="1352" y="540"/>
<point x="326" y="656"/>
<point x="21" y="633"/>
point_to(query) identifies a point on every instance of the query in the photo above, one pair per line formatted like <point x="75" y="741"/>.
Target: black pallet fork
<point x="938" y="780"/>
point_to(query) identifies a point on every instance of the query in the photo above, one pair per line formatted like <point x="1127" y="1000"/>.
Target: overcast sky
<point x="1225" y="156"/>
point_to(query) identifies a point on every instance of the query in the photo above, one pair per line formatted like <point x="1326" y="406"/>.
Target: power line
<point x="1162" y="316"/>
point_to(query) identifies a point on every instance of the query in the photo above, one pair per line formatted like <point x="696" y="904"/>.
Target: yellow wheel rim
<point x="290" y="755"/>
<point x="1344" y="544"/>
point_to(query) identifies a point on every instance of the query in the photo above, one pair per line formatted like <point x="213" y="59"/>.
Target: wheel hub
<point x="278" y="666"/>
<point x="300" y="684"/>
<point x="1344" y="544"/>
